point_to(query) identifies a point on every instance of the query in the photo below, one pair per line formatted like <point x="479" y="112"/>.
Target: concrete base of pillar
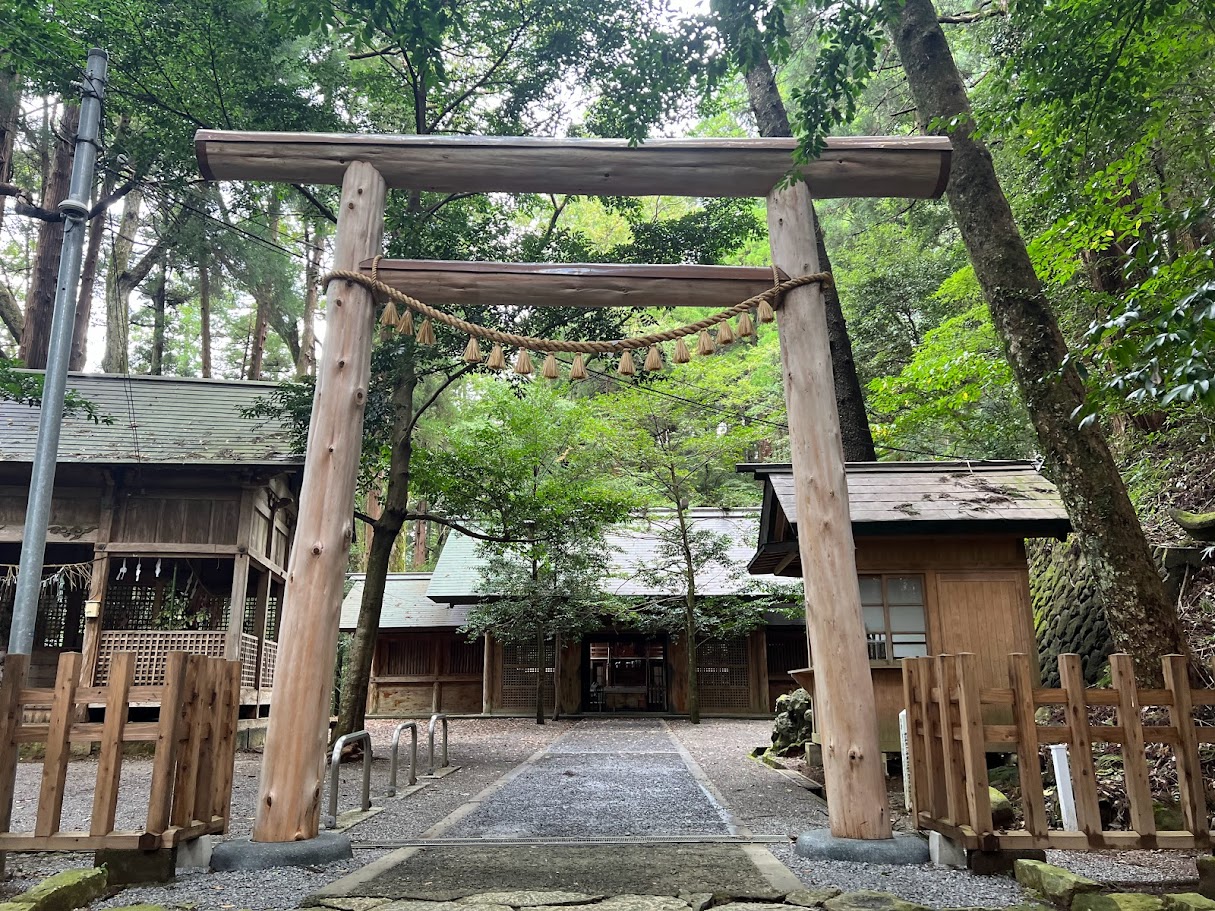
<point x="945" y="853"/>
<point x="195" y="854"/>
<point x="902" y="849"/>
<point x="244" y="854"/>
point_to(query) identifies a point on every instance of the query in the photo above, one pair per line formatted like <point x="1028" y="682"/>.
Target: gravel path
<point x="604" y="778"/>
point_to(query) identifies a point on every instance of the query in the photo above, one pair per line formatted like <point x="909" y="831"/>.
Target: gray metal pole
<point x="42" y="482"/>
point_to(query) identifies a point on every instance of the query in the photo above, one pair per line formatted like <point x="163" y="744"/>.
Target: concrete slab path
<point x="624" y="781"/>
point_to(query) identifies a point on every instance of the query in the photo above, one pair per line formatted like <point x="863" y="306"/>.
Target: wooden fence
<point x="195" y="747"/>
<point x="949" y="739"/>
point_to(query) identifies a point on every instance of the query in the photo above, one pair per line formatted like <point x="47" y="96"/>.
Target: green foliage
<point x="25" y="387"/>
<point x="955" y="398"/>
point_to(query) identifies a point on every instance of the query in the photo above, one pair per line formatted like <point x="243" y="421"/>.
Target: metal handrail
<point x="437" y="716"/>
<point x="413" y="756"/>
<point x="335" y="764"/>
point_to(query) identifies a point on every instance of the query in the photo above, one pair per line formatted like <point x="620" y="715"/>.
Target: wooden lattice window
<point x="465" y="657"/>
<point x="723" y="674"/>
<point x="787" y="651"/>
<point x="519" y="669"/>
<point x="407" y="656"/>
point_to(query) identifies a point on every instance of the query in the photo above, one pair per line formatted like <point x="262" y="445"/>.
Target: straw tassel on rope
<point x="497" y="360"/>
<point x="523" y="363"/>
<point x="704" y="345"/>
<point x="472" y="353"/>
<point x="653" y="359"/>
<point x="578" y="370"/>
<point x="426" y="333"/>
<point x="725" y="335"/>
<point x="549" y="371"/>
<point x="682" y="354"/>
<point x="765" y="312"/>
<point x="626" y="367"/>
<point x="405" y="323"/>
<point x="746" y="328"/>
<point x="388" y="318"/>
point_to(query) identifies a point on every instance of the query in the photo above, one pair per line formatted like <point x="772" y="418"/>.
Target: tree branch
<point x="465" y="530"/>
<point x="434" y="396"/>
<point x="323" y="210"/>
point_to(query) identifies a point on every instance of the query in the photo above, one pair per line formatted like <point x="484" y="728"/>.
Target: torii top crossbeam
<point x="913" y="167"/>
<point x="365" y="167"/>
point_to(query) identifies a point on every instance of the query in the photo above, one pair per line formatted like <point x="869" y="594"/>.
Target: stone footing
<point x="902" y="849"/>
<point x="244" y="854"/>
<point x="1002" y="862"/>
<point x="127" y="868"/>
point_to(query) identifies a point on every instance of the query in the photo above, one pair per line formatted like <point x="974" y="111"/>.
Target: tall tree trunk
<point x="773" y="121"/>
<point x="305" y="365"/>
<point x="420" y="529"/>
<point x="10" y="104"/>
<point x="1143" y="621"/>
<point x="156" y="361"/>
<point x="689" y="609"/>
<point x="204" y="309"/>
<point x="118" y="289"/>
<point x="540" y="662"/>
<point x="84" y="301"/>
<point x="353" y="708"/>
<point x="264" y="294"/>
<point x="40" y="301"/>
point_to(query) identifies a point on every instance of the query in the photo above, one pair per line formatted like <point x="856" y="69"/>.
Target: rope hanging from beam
<point x="404" y="322"/>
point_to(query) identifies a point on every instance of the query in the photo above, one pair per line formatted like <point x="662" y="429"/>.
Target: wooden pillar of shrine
<point x="289" y="798"/>
<point x="844" y="707"/>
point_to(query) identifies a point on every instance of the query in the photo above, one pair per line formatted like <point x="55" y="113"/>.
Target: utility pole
<point x="75" y="209"/>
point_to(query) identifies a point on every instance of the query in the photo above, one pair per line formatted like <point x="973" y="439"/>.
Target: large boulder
<point x="794" y="719"/>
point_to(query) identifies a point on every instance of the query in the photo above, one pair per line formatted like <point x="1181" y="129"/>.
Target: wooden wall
<point x="417" y="672"/>
<point x="976" y="593"/>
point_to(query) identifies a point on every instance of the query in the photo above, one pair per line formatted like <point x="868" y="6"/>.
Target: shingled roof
<point x="924" y="498"/>
<point x="157" y="420"/>
<point x="405" y="604"/>
<point x="457" y="575"/>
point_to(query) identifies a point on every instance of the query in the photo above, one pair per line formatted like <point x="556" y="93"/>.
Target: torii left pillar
<point x="289" y="799"/>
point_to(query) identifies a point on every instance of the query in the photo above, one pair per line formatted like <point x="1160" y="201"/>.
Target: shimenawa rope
<point x="404" y="323"/>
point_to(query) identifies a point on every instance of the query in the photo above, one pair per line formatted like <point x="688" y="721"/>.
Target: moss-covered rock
<point x="1206" y="875"/>
<point x="1188" y="901"/>
<point x="64" y="891"/>
<point x="869" y="900"/>
<point x="1053" y="883"/>
<point x="791" y="730"/>
<point x="1116" y="901"/>
<point x="812" y="898"/>
<point x="1002" y="813"/>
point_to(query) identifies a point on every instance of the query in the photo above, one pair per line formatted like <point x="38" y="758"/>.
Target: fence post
<point x="109" y="760"/>
<point x="164" y="764"/>
<point x="955" y="786"/>
<point x="1063" y="786"/>
<point x="931" y="794"/>
<point x="54" y="766"/>
<point x="1029" y="760"/>
<point x="1084" y="775"/>
<point x="974" y="752"/>
<point x="1189" y="768"/>
<point x="15" y="669"/>
<point x="1134" y="757"/>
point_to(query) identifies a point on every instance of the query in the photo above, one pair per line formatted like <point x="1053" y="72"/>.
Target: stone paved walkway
<point x="628" y="781"/>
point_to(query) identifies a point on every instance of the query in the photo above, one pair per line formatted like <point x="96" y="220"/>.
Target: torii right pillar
<point x="844" y="709"/>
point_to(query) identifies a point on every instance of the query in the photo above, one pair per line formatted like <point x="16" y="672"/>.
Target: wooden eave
<point x="914" y="167"/>
<point x="484" y="284"/>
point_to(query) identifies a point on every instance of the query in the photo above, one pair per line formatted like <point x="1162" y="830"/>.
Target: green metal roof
<point x="157" y="420"/>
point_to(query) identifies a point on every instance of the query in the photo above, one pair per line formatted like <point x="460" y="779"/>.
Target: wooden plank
<point x="917" y="734"/>
<point x="189" y="741"/>
<point x="11" y="710"/>
<point x="1080" y="748"/>
<point x="974" y="755"/>
<point x="58" y="753"/>
<point x="139" y="732"/>
<point x="211" y="696"/>
<point x="109" y="761"/>
<point x="482" y="284"/>
<point x="1189" y="767"/>
<point x="1029" y="759"/>
<point x="1079" y="841"/>
<point x="933" y="751"/>
<point x="1134" y="757"/>
<point x="844" y="702"/>
<point x="145" y="548"/>
<point x="71" y="841"/>
<point x="288" y="807"/>
<point x="224" y="746"/>
<point x="164" y="763"/>
<point x="900" y="166"/>
<point x="237" y="600"/>
<point x="951" y="760"/>
<point x="89" y="695"/>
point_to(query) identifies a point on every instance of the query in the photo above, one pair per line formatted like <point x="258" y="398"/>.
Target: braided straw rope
<point x="531" y="343"/>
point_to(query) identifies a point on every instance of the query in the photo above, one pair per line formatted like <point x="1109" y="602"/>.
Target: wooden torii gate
<point x="365" y="167"/>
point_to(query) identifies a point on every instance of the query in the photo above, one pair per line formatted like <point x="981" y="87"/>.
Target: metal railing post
<point x="413" y="756"/>
<point x="438" y="716"/>
<point x="335" y="765"/>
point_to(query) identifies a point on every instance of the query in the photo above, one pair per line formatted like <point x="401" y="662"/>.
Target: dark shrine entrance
<point x="624" y="673"/>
